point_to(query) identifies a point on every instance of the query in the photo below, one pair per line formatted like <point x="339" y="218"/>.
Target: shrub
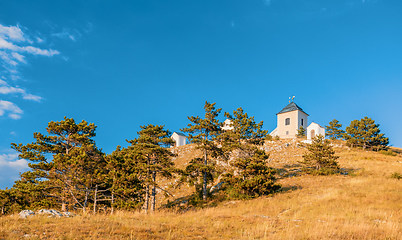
<point x="269" y="137"/>
<point x="396" y="175"/>
<point x="388" y="152"/>
<point x="320" y="158"/>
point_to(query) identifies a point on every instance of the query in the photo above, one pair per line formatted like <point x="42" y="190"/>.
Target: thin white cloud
<point x="12" y="161"/>
<point x="38" y="51"/>
<point x="13" y="33"/>
<point x="39" y="40"/>
<point x="28" y="49"/>
<point x="8" y="60"/>
<point x="7" y="89"/>
<point x="32" y="97"/>
<point x="7" y="45"/>
<point x="15" y="46"/>
<point x="10" y="167"/>
<point x="19" y="57"/>
<point x="12" y="53"/>
<point x="68" y="34"/>
<point x="13" y="111"/>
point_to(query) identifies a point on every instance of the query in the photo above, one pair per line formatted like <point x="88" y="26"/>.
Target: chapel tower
<point x="289" y="120"/>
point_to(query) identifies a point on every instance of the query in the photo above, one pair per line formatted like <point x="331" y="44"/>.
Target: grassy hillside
<point x="364" y="204"/>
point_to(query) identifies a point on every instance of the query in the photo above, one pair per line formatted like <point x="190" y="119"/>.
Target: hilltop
<point x="362" y="203"/>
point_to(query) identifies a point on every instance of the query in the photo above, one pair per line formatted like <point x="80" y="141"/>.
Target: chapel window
<point x="287" y="121"/>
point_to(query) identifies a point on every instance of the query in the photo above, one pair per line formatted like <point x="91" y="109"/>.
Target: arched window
<point x="312" y="133"/>
<point x="287" y="121"/>
<point x="302" y="121"/>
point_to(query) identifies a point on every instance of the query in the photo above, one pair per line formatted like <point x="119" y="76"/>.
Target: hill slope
<point x="365" y="204"/>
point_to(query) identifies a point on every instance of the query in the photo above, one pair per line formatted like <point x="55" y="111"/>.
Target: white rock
<point x="216" y="187"/>
<point x="26" y="213"/>
<point x="51" y="212"/>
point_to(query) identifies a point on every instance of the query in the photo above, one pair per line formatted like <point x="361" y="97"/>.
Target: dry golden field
<point x="365" y="204"/>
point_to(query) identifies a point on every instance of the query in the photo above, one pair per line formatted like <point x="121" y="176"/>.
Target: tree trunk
<point x="95" y="196"/>
<point x="63" y="198"/>
<point x="146" y="198"/>
<point x="112" y="203"/>
<point x="84" y="208"/>
<point x="63" y="206"/>
<point x="204" y="185"/>
<point x="153" y="198"/>
<point x="146" y="204"/>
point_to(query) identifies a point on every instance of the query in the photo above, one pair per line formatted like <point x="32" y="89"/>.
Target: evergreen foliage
<point x="204" y="132"/>
<point x="320" y="157"/>
<point x="4" y="200"/>
<point x="156" y="159"/>
<point x="365" y="133"/>
<point x="245" y="129"/>
<point x="124" y="167"/>
<point x="396" y="175"/>
<point x="72" y="172"/>
<point x="334" y="131"/>
<point x="301" y="132"/>
<point x="250" y="175"/>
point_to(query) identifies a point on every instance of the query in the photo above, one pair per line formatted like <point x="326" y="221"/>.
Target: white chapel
<point x="290" y="119"/>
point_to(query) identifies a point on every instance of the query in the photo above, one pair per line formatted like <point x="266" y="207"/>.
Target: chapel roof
<point x="180" y="134"/>
<point x="291" y="107"/>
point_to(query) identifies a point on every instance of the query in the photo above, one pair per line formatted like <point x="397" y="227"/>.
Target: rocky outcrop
<point x="26" y="213"/>
<point x="49" y="213"/>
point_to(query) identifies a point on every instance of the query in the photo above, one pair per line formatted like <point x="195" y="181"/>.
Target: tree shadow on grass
<point x="351" y="171"/>
<point x="396" y="150"/>
<point x="289" y="170"/>
<point x="289" y="189"/>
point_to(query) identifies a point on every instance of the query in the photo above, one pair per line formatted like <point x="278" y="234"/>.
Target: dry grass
<point x="366" y="204"/>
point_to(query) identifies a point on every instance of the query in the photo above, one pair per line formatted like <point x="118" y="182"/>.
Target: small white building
<point x="179" y="138"/>
<point x="313" y="130"/>
<point x="227" y="125"/>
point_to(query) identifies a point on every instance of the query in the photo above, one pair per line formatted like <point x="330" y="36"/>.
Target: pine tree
<point x="245" y="129"/>
<point x="301" y="132"/>
<point x="250" y="175"/>
<point x="126" y="170"/>
<point x="11" y="201"/>
<point x="152" y="145"/>
<point x="334" y="131"/>
<point x="320" y="157"/>
<point x="4" y="200"/>
<point x="254" y="177"/>
<point x="366" y="134"/>
<point x="204" y="132"/>
<point x="70" y="173"/>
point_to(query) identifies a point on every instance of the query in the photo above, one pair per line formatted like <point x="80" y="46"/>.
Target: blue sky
<point x="123" y="64"/>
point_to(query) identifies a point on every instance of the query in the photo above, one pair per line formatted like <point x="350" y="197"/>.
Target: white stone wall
<point x="295" y="123"/>
<point x="227" y="125"/>
<point x="317" y="129"/>
<point x="180" y="140"/>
